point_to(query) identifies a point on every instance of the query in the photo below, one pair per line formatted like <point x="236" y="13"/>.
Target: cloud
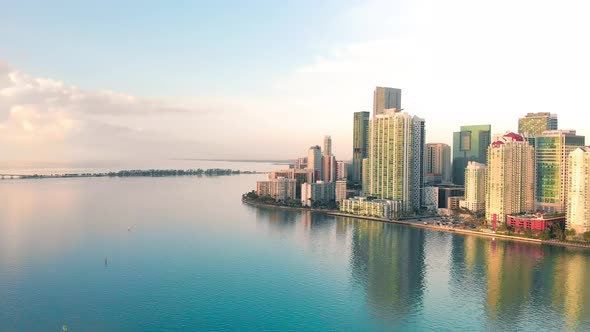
<point x="18" y="88"/>
<point x="42" y="118"/>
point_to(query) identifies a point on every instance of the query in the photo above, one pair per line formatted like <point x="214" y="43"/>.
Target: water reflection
<point x="571" y="292"/>
<point x="389" y="262"/>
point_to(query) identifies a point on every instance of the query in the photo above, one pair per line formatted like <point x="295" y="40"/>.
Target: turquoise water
<point x="196" y="258"/>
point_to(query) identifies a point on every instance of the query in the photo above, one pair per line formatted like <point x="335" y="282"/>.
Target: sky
<point x="105" y="80"/>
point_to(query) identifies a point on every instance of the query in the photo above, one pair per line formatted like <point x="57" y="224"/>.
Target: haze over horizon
<point x="266" y="81"/>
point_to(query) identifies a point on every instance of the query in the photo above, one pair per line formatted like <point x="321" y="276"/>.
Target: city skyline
<point x="133" y="95"/>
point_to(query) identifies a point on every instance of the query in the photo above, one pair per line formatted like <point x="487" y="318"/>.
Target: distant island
<point x="136" y="172"/>
<point x="268" y="161"/>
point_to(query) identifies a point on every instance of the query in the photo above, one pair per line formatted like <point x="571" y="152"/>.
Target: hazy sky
<point x="90" y="80"/>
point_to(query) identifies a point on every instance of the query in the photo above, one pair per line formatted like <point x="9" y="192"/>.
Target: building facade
<point x="340" y="194"/>
<point x="281" y="189"/>
<point x="360" y="144"/>
<point x="393" y="168"/>
<point x="327" y="145"/>
<point x="578" y="205"/>
<point x="469" y="144"/>
<point x="552" y="149"/>
<point x="314" y="162"/>
<point x="386" y="98"/>
<point x="475" y="187"/>
<point x="437" y="163"/>
<point x="300" y="175"/>
<point x="378" y="208"/>
<point x="510" y="180"/>
<point x="536" y="222"/>
<point x="329" y="168"/>
<point x="318" y="193"/>
<point x="534" y="124"/>
<point x="342" y="170"/>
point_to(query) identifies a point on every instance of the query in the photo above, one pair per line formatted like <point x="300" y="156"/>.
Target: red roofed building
<point x="538" y="221"/>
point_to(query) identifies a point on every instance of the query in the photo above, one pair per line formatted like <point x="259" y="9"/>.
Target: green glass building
<point x="552" y="150"/>
<point x="470" y="144"/>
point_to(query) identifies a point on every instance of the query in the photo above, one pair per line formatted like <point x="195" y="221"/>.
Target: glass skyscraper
<point x="360" y="144"/>
<point x="386" y="98"/>
<point x="470" y="144"/>
<point x="552" y="150"/>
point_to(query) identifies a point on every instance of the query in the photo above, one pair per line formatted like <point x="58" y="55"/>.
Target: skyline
<point x="157" y="77"/>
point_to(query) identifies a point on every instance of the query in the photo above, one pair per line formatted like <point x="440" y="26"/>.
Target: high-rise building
<point x="510" y="179"/>
<point x="329" y="168"/>
<point x="314" y="161"/>
<point x="396" y="153"/>
<point x="578" y="204"/>
<point x="386" y="98"/>
<point x="327" y="145"/>
<point x="318" y="193"/>
<point x="340" y="191"/>
<point x="534" y="124"/>
<point x="438" y="163"/>
<point x="469" y="144"/>
<point x="360" y="144"/>
<point x="300" y="175"/>
<point x="552" y="149"/>
<point x="281" y="189"/>
<point x="301" y="163"/>
<point x="475" y="187"/>
<point x="341" y="170"/>
<point x="418" y="146"/>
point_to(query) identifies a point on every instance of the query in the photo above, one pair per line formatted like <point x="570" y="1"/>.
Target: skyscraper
<point x="552" y="149"/>
<point x="327" y="145"/>
<point x="360" y="144"/>
<point x="475" y="187"/>
<point x="394" y="169"/>
<point x="578" y="204"/>
<point x="510" y="180"/>
<point x="418" y="146"/>
<point x="341" y="170"/>
<point x="534" y="124"/>
<point x="469" y="144"/>
<point x="438" y="163"/>
<point x="314" y="162"/>
<point x="328" y="168"/>
<point x="386" y="98"/>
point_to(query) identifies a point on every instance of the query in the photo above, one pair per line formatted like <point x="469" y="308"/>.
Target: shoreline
<point x="431" y="227"/>
<point x="270" y="206"/>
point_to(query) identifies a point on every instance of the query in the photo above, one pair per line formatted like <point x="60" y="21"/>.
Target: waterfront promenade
<point x="419" y="223"/>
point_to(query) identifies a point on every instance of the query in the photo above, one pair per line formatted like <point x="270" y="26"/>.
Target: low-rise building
<point x="281" y="189"/>
<point x="536" y="222"/>
<point x="378" y="208"/>
<point x="318" y="193"/>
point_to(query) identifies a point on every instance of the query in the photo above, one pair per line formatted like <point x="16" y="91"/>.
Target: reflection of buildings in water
<point x="571" y="292"/>
<point x="306" y="220"/>
<point x="510" y="278"/>
<point x="389" y="261"/>
<point x="277" y="219"/>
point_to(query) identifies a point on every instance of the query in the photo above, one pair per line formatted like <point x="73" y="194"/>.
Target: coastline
<point x="270" y="206"/>
<point x="418" y="225"/>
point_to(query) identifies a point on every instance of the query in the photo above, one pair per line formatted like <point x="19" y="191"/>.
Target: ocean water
<point x="185" y="254"/>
